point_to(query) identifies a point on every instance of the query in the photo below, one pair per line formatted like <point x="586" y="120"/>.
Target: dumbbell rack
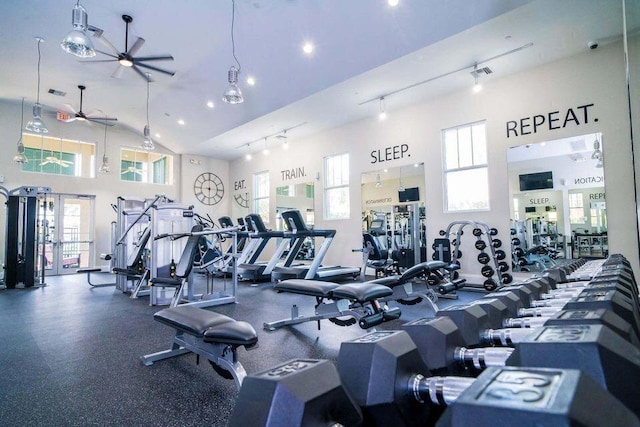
<point x="457" y="228"/>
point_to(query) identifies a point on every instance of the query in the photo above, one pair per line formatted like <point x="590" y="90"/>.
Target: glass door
<point x="66" y="222"/>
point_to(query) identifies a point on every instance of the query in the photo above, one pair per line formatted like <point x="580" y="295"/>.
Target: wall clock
<point x="208" y="188"/>
<point x="242" y="200"/>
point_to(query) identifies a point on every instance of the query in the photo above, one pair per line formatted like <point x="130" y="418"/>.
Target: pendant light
<point x="265" y="151"/>
<point x="104" y="168"/>
<point x="20" y="158"/>
<point x="36" y="125"/>
<point x="477" y="87"/>
<point x="148" y="144"/>
<point x="383" y="113"/>
<point x="233" y="94"/>
<point x="78" y="42"/>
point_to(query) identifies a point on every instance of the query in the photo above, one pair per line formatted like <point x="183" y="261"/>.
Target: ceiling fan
<point x="91" y="117"/>
<point x="56" y="161"/>
<point x="132" y="169"/>
<point x="127" y="59"/>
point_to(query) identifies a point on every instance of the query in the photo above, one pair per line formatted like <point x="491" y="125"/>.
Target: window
<point x="58" y="156"/>
<point x="466" y="174"/>
<point x="143" y="166"/>
<point x="261" y="194"/>
<point x="576" y="209"/>
<point x="336" y="187"/>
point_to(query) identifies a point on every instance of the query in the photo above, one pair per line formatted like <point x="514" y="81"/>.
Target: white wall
<point x="595" y="77"/>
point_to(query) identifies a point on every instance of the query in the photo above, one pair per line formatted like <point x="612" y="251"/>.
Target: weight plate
<point x="507" y="278"/>
<point x="496" y="243"/>
<point x="442" y="232"/>
<point x="515" y="241"/>
<point x="433" y="280"/>
<point x="455" y="275"/>
<point x="493" y="231"/>
<point x="500" y="255"/>
<point x="459" y="253"/>
<point x="477" y="232"/>
<point x="434" y="256"/>
<point x="480" y="245"/>
<point x="503" y="266"/>
<point x="484" y="258"/>
<point x="487" y="271"/>
<point x="490" y="285"/>
<point x="519" y="252"/>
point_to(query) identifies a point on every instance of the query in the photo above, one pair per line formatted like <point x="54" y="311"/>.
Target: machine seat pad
<point x="165" y="281"/>
<point x="389" y="281"/>
<point x="232" y="333"/>
<point x="314" y="288"/>
<point x="192" y="320"/>
<point x="422" y="268"/>
<point x="361" y="292"/>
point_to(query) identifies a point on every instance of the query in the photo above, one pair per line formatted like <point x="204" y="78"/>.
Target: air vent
<point x="481" y="72"/>
<point x="57" y="92"/>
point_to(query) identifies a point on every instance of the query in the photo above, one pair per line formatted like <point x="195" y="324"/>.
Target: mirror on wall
<point x="300" y="197"/>
<point x="393" y="212"/>
<point x="558" y="204"/>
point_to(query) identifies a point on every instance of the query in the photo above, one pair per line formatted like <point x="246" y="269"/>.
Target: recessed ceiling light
<point x="251" y="81"/>
<point x="181" y="122"/>
<point x="393" y="3"/>
<point x="210" y="104"/>
<point x="308" y="48"/>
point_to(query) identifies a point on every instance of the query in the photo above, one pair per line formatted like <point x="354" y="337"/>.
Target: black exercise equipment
<point x="205" y="333"/>
<point x="480" y="245"/>
<point x="385" y="374"/>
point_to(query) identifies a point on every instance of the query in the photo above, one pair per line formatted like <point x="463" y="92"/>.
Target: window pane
<point x="262" y="209"/>
<point x="467" y="190"/>
<point x="337" y="170"/>
<point x="465" y="152"/>
<point x="451" y="149"/>
<point x="479" y="144"/>
<point x="337" y="203"/>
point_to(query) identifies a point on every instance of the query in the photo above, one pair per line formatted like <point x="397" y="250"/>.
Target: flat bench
<point x="358" y="302"/>
<point x="211" y="335"/>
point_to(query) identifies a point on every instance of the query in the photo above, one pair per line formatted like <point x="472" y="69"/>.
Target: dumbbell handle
<point x="559" y="302"/>
<point x="538" y="311"/>
<point x="481" y="358"/>
<point x="438" y="390"/>
<point x="525" y="322"/>
<point x="564" y="293"/>
<point x="506" y="337"/>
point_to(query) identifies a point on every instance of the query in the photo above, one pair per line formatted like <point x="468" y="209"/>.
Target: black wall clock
<point x="208" y="188"/>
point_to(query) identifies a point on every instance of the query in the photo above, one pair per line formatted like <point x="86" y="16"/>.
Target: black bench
<point x="205" y="333"/>
<point x="357" y="302"/>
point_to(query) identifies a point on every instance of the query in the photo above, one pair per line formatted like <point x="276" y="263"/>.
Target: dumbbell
<point x="299" y="392"/>
<point x="594" y="349"/>
<point x="385" y="374"/>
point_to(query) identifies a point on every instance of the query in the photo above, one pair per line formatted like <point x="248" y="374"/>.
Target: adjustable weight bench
<point x="358" y="302"/>
<point x="211" y="335"/>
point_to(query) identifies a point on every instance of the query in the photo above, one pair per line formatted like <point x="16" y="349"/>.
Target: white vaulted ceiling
<point x="364" y="49"/>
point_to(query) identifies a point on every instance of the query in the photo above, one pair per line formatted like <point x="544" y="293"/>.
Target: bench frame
<point x="222" y="356"/>
<point x="90" y="270"/>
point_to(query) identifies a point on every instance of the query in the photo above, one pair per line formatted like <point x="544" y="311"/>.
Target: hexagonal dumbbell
<point x="386" y="376"/>
<point x="299" y="392"/>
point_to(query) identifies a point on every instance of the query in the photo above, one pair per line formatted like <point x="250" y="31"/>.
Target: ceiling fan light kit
<point x="78" y="42"/>
<point x="81" y="116"/>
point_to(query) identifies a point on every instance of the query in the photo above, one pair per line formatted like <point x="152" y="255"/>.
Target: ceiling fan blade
<point x="109" y="45"/>
<point x="136" y="46"/>
<point x="153" y="58"/>
<point x="160" y="70"/>
<point x="143" y="75"/>
<point x="118" y="72"/>
<point x="69" y="109"/>
<point x="96" y="117"/>
<point x="100" y="60"/>
<point x="108" y="54"/>
<point x="102" y="121"/>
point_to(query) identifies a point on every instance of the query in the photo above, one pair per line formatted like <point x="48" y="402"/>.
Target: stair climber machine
<point x="296" y="228"/>
<point x="257" y="270"/>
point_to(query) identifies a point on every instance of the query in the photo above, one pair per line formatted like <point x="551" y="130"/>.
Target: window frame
<point x="258" y="198"/>
<point x="82" y="164"/>
<point x="146" y="166"/>
<point x="330" y="188"/>
<point x="446" y="171"/>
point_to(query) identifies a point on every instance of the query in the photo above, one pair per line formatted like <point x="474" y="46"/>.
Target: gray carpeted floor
<point x="70" y="355"/>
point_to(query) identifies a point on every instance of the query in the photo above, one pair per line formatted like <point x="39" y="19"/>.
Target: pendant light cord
<point x="38" y="94"/>
<point x="147" y="99"/>
<point x="233" y="42"/>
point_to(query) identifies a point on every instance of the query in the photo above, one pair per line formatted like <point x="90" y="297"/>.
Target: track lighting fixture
<point x="378" y="182"/>
<point x="233" y="94"/>
<point x="283" y="138"/>
<point x="248" y="156"/>
<point x="78" y="42"/>
<point x="36" y="125"/>
<point x="383" y="114"/>
<point x="148" y="144"/>
<point x="20" y="158"/>
<point x="265" y="151"/>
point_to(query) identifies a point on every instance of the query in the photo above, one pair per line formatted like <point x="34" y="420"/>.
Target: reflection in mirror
<point x="558" y="207"/>
<point x="298" y="197"/>
<point x="240" y="206"/>
<point x="393" y="213"/>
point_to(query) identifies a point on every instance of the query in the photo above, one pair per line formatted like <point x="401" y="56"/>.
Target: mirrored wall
<point x="393" y="211"/>
<point x="299" y="197"/>
<point x="558" y="203"/>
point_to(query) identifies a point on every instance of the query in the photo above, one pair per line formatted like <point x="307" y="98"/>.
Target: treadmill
<point x="252" y="269"/>
<point x="297" y="228"/>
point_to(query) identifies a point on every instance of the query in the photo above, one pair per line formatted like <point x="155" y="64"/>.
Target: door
<point x="66" y="222"/>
